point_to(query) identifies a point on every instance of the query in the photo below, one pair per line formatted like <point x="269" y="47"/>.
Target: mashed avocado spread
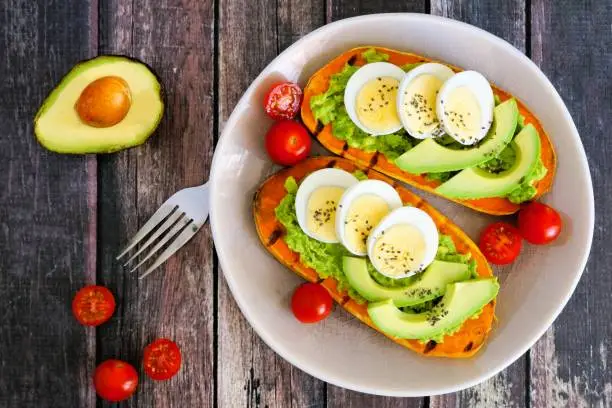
<point x="328" y="107"/>
<point x="326" y="259"/>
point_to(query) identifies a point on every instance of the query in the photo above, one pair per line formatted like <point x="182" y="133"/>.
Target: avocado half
<point x="59" y="128"/>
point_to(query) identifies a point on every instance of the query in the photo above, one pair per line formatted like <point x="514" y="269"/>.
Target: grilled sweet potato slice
<point x="464" y="343"/>
<point x="319" y="83"/>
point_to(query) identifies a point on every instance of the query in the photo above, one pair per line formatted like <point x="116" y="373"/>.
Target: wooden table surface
<point x="63" y="218"/>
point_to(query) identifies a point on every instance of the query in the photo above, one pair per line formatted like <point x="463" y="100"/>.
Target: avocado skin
<point x="53" y="96"/>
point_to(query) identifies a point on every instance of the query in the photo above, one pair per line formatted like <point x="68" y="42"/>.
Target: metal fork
<point x="174" y="223"/>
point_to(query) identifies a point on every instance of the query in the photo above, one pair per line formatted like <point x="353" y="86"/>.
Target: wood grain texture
<point x="571" y="364"/>
<point x="176" y="40"/>
<point x="507" y="20"/>
<point x="249" y="373"/>
<point x="339" y="9"/>
<point x="44" y="354"/>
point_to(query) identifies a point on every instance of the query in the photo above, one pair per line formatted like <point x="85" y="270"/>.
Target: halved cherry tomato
<point x="311" y="303"/>
<point x="500" y="243"/>
<point x="162" y="359"/>
<point x="93" y="305"/>
<point x="115" y="380"/>
<point x="288" y="142"/>
<point x="283" y="100"/>
<point x="539" y="224"/>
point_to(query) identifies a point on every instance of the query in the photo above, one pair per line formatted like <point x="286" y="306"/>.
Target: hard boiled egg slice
<point x="361" y="208"/>
<point x="316" y="201"/>
<point x="370" y="98"/>
<point x="404" y="243"/>
<point x="465" y="107"/>
<point x="416" y="103"/>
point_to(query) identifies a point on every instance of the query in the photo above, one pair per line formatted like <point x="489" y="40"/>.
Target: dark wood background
<point x="62" y="218"/>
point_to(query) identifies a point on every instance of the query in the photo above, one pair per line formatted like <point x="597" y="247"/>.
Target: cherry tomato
<point x="500" y="243"/>
<point x="162" y="359"/>
<point x="311" y="303"/>
<point x="539" y="224"/>
<point x="287" y="142"/>
<point x="93" y="305"/>
<point x="115" y="380"/>
<point x="283" y="100"/>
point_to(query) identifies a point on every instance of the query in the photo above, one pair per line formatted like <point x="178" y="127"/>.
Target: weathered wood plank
<point x="177" y="301"/>
<point x="249" y="372"/>
<point x="45" y="355"/>
<point x="339" y="9"/>
<point x="570" y="365"/>
<point x="350" y="8"/>
<point x="506" y="20"/>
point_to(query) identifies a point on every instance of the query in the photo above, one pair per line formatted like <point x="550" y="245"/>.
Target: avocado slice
<point x="461" y="301"/>
<point x="431" y="157"/>
<point x="478" y="183"/>
<point x="430" y="284"/>
<point x="59" y="127"/>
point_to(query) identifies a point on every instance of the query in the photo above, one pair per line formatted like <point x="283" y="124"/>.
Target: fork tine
<point x="167" y="224"/>
<point x="181" y="240"/>
<point x="173" y="231"/>
<point x="155" y="219"/>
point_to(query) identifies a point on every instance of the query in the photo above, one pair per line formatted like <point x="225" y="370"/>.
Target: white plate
<point x="341" y="350"/>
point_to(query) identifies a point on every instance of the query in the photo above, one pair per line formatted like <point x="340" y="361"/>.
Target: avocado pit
<point x="104" y="102"/>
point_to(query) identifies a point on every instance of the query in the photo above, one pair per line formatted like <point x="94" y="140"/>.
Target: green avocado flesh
<point x="430" y="285"/>
<point x="59" y="128"/>
<point x="461" y="301"/>
<point x="430" y="156"/>
<point x="327" y="259"/>
<point x="479" y="183"/>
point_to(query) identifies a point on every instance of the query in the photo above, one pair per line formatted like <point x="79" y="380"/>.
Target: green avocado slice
<point x="431" y="284"/>
<point x="431" y="157"/>
<point x="461" y="301"/>
<point x="58" y="127"/>
<point x="479" y="183"/>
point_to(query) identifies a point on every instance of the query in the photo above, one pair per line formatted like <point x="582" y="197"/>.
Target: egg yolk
<point x="463" y="114"/>
<point x="364" y="214"/>
<point x="399" y="250"/>
<point x="419" y="107"/>
<point x="376" y="107"/>
<point x="321" y="219"/>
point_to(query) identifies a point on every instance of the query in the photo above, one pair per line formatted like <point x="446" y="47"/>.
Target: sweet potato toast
<point x="319" y="83"/>
<point x="463" y="343"/>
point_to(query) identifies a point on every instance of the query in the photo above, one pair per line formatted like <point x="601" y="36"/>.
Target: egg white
<point x="440" y="71"/>
<point x="321" y="178"/>
<point x="374" y="187"/>
<point x="483" y="93"/>
<point x="361" y="77"/>
<point x="411" y="216"/>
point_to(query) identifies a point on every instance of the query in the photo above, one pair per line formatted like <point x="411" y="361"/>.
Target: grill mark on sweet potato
<point x="345" y="147"/>
<point x="431" y="344"/>
<point x="374" y="160"/>
<point x="276" y="234"/>
<point x="469" y="346"/>
<point x="318" y="129"/>
<point x="331" y="164"/>
<point x="352" y="60"/>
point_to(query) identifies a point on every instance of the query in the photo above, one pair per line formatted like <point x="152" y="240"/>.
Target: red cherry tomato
<point x="500" y="243"/>
<point x="311" y="303"/>
<point x="288" y="143"/>
<point x="283" y="100"/>
<point x="115" y="380"/>
<point x="93" y="305"/>
<point x="162" y="359"/>
<point x="539" y="224"/>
